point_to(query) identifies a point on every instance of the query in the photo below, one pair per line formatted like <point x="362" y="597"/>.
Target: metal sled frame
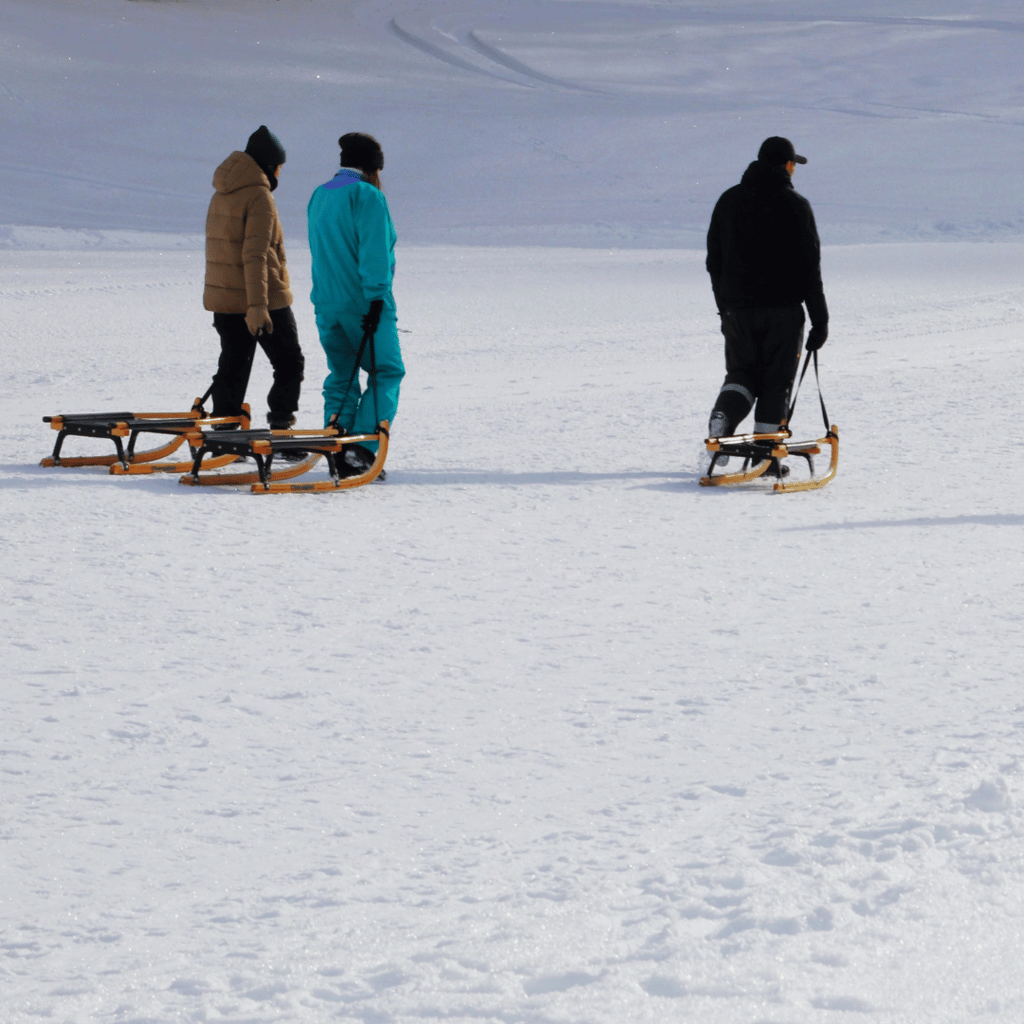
<point x="262" y="445"/>
<point x="115" y="426"/>
<point x="764" y="452"/>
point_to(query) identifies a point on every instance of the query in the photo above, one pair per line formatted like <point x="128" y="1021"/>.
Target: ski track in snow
<point x="469" y="38"/>
<point x="538" y="730"/>
<point x="499" y="57"/>
<point x="438" y="52"/>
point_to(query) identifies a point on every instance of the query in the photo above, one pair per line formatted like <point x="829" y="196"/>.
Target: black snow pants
<point x="237" y="349"/>
<point x="762" y="353"/>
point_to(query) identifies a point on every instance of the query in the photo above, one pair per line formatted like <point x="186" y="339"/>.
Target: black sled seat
<point x="116" y="426"/>
<point x="263" y="445"/>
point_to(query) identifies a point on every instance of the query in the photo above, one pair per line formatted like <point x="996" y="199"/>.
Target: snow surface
<point x="538" y="731"/>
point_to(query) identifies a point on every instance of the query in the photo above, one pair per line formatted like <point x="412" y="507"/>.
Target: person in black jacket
<point x="764" y="259"/>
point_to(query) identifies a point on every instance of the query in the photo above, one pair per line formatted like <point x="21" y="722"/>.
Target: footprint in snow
<point x="558" y="982"/>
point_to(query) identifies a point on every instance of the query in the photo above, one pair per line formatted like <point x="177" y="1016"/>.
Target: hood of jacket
<point x="239" y="171"/>
<point x="766" y="177"/>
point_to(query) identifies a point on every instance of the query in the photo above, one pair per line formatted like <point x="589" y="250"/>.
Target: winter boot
<point x="357" y="459"/>
<point x="776" y="469"/>
<point x="280" y="421"/>
<point x="719" y="426"/>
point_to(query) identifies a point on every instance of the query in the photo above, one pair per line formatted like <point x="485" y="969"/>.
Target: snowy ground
<point x="539" y="731"/>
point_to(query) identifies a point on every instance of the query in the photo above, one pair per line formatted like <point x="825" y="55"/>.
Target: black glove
<point x="817" y="308"/>
<point x="816" y="336"/>
<point x="372" y="319"/>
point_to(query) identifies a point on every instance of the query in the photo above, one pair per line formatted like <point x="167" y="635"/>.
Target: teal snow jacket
<point x="352" y="244"/>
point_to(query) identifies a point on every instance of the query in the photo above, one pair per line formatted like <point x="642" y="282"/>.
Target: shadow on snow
<point x="995" y="519"/>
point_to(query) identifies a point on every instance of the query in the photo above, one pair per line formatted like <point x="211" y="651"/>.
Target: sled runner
<point x="115" y="426"/>
<point x="262" y="445"/>
<point x="763" y="454"/>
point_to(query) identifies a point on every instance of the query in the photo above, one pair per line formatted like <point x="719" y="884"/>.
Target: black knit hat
<point x="362" y="151"/>
<point x="266" y="149"/>
<point x="778" y="150"/>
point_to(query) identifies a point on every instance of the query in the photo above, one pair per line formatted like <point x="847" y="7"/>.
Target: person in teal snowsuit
<point x="352" y="244"/>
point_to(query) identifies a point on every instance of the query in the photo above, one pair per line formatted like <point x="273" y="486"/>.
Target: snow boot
<point x="719" y="426"/>
<point x="356" y="459"/>
<point x="776" y="469"/>
<point x="280" y="421"/>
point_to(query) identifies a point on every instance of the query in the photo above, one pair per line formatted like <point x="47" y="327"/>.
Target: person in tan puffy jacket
<point x="247" y="287"/>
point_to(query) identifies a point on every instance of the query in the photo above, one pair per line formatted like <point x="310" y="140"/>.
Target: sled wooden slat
<point x="714" y="444"/>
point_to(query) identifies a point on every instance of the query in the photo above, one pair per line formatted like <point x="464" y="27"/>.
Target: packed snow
<point x="537" y="731"/>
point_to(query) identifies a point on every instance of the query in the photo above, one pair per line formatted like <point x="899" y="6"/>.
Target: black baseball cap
<point x="778" y="150"/>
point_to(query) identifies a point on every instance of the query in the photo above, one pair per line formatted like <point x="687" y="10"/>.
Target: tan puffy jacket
<point x="245" y="262"/>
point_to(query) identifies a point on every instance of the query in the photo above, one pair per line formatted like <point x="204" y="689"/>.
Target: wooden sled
<point x="262" y="445"/>
<point x="115" y="426"/>
<point x="764" y="452"/>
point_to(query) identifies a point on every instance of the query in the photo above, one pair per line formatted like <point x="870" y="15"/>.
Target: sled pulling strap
<point x="821" y="400"/>
<point x="368" y="339"/>
<point x="197" y="405"/>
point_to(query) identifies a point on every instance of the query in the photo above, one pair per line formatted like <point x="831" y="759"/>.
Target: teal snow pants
<point x="340" y="334"/>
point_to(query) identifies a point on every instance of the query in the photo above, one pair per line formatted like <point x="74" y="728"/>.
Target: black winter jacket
<point x="763" y="247"/>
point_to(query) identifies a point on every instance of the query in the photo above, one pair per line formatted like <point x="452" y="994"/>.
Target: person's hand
<point x="372" y="319"/>
<point x="816" y="337"/>
<point x="258" y="319"/>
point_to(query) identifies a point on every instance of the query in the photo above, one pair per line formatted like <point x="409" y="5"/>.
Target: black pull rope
<point x="367" y="339"/>
<point x="209" y="391"/>
<point x="373" y="377"/>
<point x="796" y="394"/>
<point x="355" y="370"/>
<point x="821" y="400"/>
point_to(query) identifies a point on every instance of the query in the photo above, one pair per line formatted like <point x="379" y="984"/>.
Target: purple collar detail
<point x="344" y="177"/>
